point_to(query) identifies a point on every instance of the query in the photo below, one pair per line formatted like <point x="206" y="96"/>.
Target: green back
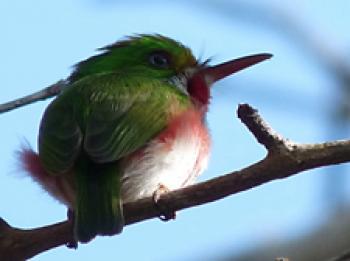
<point x="108" y="122"/>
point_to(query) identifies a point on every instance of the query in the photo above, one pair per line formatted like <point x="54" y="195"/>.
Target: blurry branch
<point x="329" y="239"/>
<point x="345" y="256"/>
<point x="284" y="158"/>
<point x="290" y="23"/>
<point x="43" y="94"/>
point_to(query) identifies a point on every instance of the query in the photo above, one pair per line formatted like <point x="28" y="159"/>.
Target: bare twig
<point x="284" y="158"/>
<point x="43" y="94"/>
<point x="261" y="130"/>
<point x="345" y="256"/>
<point x="282" y="259"/>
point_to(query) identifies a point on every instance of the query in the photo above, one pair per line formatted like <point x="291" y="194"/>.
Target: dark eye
<point x="160" y="60"/>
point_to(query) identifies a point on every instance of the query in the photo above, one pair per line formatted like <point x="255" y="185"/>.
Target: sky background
<point x="294" y="92"/>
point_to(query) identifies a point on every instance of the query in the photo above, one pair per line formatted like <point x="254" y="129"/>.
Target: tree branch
<point x="345" y="256"/>
<point x="284" y="158"/>
<point x="43" y="94"/>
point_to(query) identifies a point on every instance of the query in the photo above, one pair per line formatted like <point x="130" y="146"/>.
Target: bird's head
<point x="164" y="58"/>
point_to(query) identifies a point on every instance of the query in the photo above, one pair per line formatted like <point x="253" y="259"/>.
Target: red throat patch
<point x="198" y="89"/>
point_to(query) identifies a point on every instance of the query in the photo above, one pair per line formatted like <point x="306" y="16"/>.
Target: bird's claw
<point x="164" y="213"/>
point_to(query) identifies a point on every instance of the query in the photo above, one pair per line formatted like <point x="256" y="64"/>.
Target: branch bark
<point x="43" y="94"/>
<point x="345" y="256"/>
<point x="284" y="158"/>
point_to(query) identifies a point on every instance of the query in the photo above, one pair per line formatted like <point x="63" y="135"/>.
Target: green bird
<point x="130" y="123"/>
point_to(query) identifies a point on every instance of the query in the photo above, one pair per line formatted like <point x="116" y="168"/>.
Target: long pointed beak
<point x="220" y="71"/>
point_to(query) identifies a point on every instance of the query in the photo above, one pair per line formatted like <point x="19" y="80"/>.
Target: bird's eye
<point x="160" y="60"/>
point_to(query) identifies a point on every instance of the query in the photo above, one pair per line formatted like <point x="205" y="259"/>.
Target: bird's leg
<point x="71" y="216"/>
<point x="165" y="214"/>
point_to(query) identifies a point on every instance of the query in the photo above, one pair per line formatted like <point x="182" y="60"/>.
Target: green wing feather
<point x="60" y="137"/>
<point x="90" y="126"/>
<point x="112" y="134"/>
<point x="110" y="114"/>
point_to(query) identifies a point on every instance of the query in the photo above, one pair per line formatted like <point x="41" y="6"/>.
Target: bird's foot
<point x="165" y="213"/>
<point x="73" y="244"/>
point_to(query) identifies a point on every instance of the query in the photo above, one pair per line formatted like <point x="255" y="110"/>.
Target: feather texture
<point x="119" y="131"/>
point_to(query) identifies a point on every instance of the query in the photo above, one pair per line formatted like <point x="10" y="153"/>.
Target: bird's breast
<point x="173" y="159"/>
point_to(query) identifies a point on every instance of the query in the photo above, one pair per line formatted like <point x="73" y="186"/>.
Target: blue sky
<point x="41" y="40"/>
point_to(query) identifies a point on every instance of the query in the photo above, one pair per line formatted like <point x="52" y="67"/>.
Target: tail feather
<point x="99" y="207"/>
<point x="30" y="162"/>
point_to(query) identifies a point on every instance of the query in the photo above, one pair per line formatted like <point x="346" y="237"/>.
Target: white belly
<point x="172" y="163"/>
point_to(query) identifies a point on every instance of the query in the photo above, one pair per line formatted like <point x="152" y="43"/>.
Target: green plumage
<point x="99" y="208"/>
<point x="116" y="103"/>
<point x="87" y="130"/>
<point x="133" y="54"/>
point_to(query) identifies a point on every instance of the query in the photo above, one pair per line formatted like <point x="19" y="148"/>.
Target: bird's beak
<point x="217" y="72"/>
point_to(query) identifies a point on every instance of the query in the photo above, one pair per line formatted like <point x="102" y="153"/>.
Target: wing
<point x="60" y="137"/>
<point x="108" y="116"/>
<point x="133" y="112"/>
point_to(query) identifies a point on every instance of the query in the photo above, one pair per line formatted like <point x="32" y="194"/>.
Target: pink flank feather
<point x="58" y="187"/>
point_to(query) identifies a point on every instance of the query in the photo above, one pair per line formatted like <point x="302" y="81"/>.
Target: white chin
<point x="180" y="82"/>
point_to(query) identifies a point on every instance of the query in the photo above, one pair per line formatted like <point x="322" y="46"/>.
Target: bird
<point x="131" y="122"/>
